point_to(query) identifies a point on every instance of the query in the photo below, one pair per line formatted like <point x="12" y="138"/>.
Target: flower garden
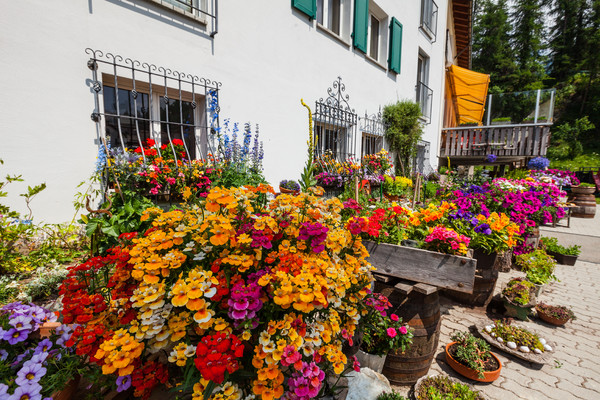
<point x="231" y="290"/>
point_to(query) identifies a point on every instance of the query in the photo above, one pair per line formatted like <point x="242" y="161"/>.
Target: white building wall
<point x="266" y="54"/>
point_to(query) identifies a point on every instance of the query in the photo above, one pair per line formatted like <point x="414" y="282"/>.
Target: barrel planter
<point x="486" y="275"/>
<point x="584" y="200"/>
<point x="422" y="313"/>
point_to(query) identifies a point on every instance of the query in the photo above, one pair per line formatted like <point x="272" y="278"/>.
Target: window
<point x="377" y="42"/>
<point x="196" y="7"/>
<point x="424" y="93"/>
<point x="334" y="16"/>
<point x="180" y="125"/>
<point x="371" y="144"/>
<point x="129" y="117"/>
<point x="331" y="139"/>
<point x="429" y="12"/>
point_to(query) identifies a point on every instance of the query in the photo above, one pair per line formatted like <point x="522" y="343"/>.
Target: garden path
<point x="574" y="369"/>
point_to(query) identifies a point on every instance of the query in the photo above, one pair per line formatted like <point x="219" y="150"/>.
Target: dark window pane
<point x="176" y="128"/>
<point x="374" y="50"/>
<point x="126" y="116"/>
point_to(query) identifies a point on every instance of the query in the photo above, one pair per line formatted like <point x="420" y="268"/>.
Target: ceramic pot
<point x="371" y="361"/>
<point x="471" y="373"/>
<point x="518" y="311"/>
<point x="551" y="320"/>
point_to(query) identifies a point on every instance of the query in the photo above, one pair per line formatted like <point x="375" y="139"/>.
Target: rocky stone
<point x="511" y="345"/>
<point x="366" y="385"/>
<point x="524" y="349"/>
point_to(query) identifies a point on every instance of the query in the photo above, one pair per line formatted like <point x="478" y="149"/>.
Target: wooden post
<point x="356" y="188"/>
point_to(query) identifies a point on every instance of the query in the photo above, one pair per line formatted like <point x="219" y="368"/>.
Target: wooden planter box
<point x="437" y="269"/>
<point x="563" y="258"/>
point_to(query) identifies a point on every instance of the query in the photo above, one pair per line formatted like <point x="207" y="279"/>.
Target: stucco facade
<point x="266" y="54"/>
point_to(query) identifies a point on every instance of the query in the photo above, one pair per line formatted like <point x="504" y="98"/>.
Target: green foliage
<point x="538" y="266"/>
<point x="442" y="388"/>
<point x="570" y="134"/>
<point x="519" y="291"/>
<point x="551" y="244"/>
<point x="520" y="336"/>
<point x="232" y="176"/>
<point x="403" y="131"/>
<point x="558" y="312"/>
<point x="527" y="42"/>
<point x="8" y="289"/>
<point x="307" y="178"/>
<point x="519" y="173"/>
<point x="471" y="351"/>
<point x="126" y="212"/>
<point x="591" y="159"/>
<point x="393" y="395"/>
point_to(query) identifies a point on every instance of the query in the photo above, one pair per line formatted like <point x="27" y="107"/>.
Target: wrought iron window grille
<point x="373" y="131"/>
<point x="335" y="124"/>
<point x="150" y="102"/>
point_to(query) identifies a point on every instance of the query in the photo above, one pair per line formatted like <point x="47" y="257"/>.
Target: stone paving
<point x="574" y="368"/>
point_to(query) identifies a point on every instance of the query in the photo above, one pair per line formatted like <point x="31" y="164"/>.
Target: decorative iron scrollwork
<point x="336" y="96"/>
<point x="95" y="117"/>
<point x="97" y="86"/>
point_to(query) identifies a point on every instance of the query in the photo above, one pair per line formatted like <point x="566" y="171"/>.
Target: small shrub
<point x="471" y="351"/>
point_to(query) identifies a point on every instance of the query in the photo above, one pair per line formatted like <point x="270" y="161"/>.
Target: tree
<point x="403" y="130"/>
<point x="568" y="37"/>
<point x="527" y="42"/>
<point x="492" y="53"/>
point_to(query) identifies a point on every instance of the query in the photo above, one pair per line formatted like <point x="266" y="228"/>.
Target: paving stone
<point x="577" y="390"/>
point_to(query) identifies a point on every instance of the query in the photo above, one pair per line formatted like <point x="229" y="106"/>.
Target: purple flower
<point x="30" y="373"/>
<point x="123" y="383"/>
<point x="3" y="355"/>
<point x="491" y="158"/>
<point x="483" y="228"/>
<point x="43" y="347"/>
<point x="3" y="390"/>
<point x="29" y="392"/>
<point x="14" y="336"/>
<point x="20" y="322"/>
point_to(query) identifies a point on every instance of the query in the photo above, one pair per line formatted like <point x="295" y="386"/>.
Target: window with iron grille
<point x="429" y="13"/>
<point x="138" y="101"/>
<point x="335" y="124"/>
<point x="373" y="131"/>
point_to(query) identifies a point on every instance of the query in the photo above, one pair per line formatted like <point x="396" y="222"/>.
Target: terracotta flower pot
<point x="47" y="328"/>
<point x="469" y="372"/>
<point x="288" y="191"/>
<point x="550" y="319"/>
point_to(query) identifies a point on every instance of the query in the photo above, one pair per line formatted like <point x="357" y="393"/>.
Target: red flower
<point x="217" y="354"/>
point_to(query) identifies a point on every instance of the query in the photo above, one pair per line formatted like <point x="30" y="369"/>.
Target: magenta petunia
<point x="391" y="332"/>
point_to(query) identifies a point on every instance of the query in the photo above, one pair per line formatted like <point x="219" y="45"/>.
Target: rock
<point x="366" y="385"/>
<point x="547" y="347"/>
<point x="488" y="329"/>
<point x="537" y="351"/>
<point x="499" y="339"/>
<point x="542" y="341"/>
<point x="524" y="349"/>
<point x="493" y="334"/>
<point x="511" y="345"/>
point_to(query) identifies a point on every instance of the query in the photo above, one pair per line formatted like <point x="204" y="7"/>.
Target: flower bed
<point x="245" y="298"/>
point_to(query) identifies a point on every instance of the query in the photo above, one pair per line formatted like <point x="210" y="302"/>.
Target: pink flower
<point x="403" y="330"/>
<point x="391" y="332"/>
<point x="394" y="317"/>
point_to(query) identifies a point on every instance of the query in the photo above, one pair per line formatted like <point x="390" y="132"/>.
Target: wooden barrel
<point x="585" y="202"/>
<point x="486" y="275"/>
<point x="422" y="313"/>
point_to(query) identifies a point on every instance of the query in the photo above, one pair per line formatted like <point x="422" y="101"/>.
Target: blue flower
<point x="538" y="163"/>
<point x="30" y="373"/>
<point x="491" y="158"/>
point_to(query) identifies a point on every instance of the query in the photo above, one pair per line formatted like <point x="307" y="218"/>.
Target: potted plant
<point x="396" y="187"/>
<point x="381" y="333"/>
<point x="566" y="255"/>
<point x="517" y="338"/>
<point x="34" y="366"/>
<point x="471" y="357"/>
<point x="584" y="188"/>
<point x="289" y="187"/>
<point x="555" y="315"/>
<point x="444" y="387"/>
<point x="519" y="298"/>
<point x="538" y="266"/>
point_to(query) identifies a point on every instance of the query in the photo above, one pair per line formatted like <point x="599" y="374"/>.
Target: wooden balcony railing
<point x="504" y="141"/>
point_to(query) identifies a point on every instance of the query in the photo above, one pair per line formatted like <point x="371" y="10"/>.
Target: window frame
<point x="382" y="40"/>
<point x="324" y="22"/>
<point x="429" y="18"/>
<point x="154" y="113"/>
<point x="424" y="94"/>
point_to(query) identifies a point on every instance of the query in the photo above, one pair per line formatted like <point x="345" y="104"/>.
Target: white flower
<point x="199" y="256"/>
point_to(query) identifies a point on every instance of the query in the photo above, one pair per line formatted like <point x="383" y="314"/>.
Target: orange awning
<point x="469" y="91"/>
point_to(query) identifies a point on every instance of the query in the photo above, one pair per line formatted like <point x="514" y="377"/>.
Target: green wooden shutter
<point x="361" y="24"/>
<point x="395" y="45"/>
<point x="308" y="7"/>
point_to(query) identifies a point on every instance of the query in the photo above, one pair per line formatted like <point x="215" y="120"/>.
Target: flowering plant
<point x="446" y="240"/>
<point x="329" y="179"/>
<point x="538" y="163"/>
<point x="491" y="158"/>
<point x="519" y="291"/>
<point x="397" y="186"/>
<point x="383" y="333"/>
<point x="247" y="299"/>
<point x="558" y="177"/>
<point x="377" y="163"/>
<point x="290" y="185"/>
<point x="558" y="312"/>
<point x="32" y="367"/>
<point x="493" y="233"/>
<point x="538" y="266"/>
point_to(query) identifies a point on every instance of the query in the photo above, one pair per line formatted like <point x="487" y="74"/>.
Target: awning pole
<point x="489" y="110"/>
